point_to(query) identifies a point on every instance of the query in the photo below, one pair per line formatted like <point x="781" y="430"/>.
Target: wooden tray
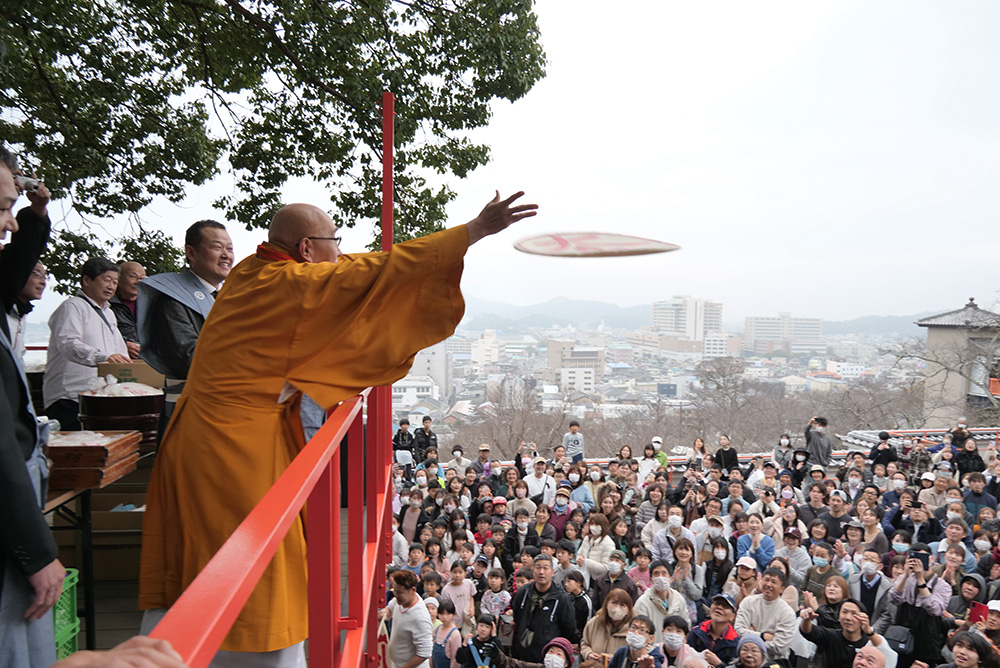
<point x="93" y="477"/>
<point x="90" y="456"/>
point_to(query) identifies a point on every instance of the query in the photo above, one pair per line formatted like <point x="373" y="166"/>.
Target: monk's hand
<point x="47" y="584"/>
<point x="498" y="215"/>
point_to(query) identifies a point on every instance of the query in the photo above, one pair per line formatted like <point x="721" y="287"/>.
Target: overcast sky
<point x="832" y="159"/>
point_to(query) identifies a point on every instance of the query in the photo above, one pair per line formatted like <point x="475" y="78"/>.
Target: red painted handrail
<point x="198" y="622"/>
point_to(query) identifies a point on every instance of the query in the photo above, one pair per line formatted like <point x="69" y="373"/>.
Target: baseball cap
<point x="484" y="446"/>
<point x="770" y="464"/>
<point x="617" y="554"/>
<point x="482" y="558"/>
<point x="656" y="439"/>
<point x="928" y="476"/>
<point x="725" y="598"/>
<point x="994" y="605"/>
<point x="792" y="531"/>
<point x="565" y="483"/>
<point x="839" y="493"/>
<point x="748" y="562"/>
<point x="538" y="459"/>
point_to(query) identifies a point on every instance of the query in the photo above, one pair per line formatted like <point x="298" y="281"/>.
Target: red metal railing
<point x="198" y="622"/>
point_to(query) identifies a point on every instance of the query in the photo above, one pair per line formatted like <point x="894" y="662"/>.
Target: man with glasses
<point x="297" y="317"/>
<point x="22" y="306"/>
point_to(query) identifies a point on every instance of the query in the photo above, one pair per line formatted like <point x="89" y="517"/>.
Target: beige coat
<point x="651" y="605"/>
<point x="599" y="639"/>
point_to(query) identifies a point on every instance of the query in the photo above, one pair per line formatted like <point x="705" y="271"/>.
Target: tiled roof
<point x="969" y="315"/>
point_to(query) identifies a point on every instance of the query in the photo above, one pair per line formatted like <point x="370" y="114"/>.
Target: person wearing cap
<point x="769" y="479"/>
<point x="767" y="614"/>
<point x="562" y="507"/>
<point x="921" y="598"/>
<point x="882" y="452"/>
<point x="541" y="486"/>
<point x="837" y="516"/>
<point x="482" y="465"/>
<point x="542" y="612"/>
<point x="798" y="557"/>
<point x="661" y="456"/>
<point x="614" y="578"/>
<point x="572" y="442"/>
<point x="935" y="496"/>
<point x="458" y="462"/>
<point x="500" y="511"/>
<point x="715" y="637"/>
<point x="751" y="652"/>
<point x="839" y="646"/>
<point x="557" y="654"/>
<point x="744" y="580"/>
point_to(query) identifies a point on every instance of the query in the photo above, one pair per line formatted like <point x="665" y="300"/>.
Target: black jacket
<point x="930" y="531"/>
<point x="174" y="333"/>
<point x="24" y="536"/>
<point x="511" y="546"/>
<point x="603" y="585"/>
<point x="421" y="442"/>
<point x="126" y="321"/>
<point x="403" y="440"/>
<point x="554" y="618"/>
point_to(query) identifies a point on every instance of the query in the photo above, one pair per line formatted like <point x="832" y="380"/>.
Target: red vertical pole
<point x="355" y="523"/>
<point x="323" y="529"/>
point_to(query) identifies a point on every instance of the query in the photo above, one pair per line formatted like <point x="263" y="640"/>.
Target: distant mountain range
<point x="483" y="314"/>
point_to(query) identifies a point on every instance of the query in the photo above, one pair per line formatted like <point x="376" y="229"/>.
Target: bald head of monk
<point x="129" y="275"/>
<point x="306" y="232"/>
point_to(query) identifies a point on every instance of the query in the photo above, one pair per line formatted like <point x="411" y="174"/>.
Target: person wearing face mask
<point x="871" y="588"/>
<point x="430" y="465"/>
<point x="458" y="462"/>
<point x="852" y="485"/>
<point x="561" y="509"/>
<point x="606" y="631"/>
<point x="716" y="632"/>
<point x="818" y="442"/>
<point x="718" y="567"/>
<point x="674" y="647"/>
<point x="639" y="651"/>
<point x="660" y="601"/>
<point x="520" y="536"/>
<point x="579" y="493"/>
<point x="663" y="542"/>
<point x="615" y="578"/>
<point x="798" y="465"/>
<point x="783" y="451"/>
<point x="557" y="654"/>
<point x="413" y="517"/>
<point x="596" y="546"/>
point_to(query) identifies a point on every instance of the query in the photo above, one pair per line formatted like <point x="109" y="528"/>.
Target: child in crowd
<point x="573" y="583"/>
<point x="482" y="648"/>
<point x="447" y="637"/>
<point x="416" y="559"/>
<point x="460" y="592"/>
<point x="432" y="584"/>
<point x="640" y="572"/>
<point x="522" y="577"/>
<point x="496" y="600"/>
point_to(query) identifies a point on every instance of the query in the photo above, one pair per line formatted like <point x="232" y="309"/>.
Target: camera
<point x="26" y="184"/>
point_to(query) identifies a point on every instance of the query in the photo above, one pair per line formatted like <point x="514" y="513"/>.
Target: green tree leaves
<point x="115" y="103"/>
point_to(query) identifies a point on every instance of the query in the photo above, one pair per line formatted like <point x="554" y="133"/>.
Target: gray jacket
<point x="884" y="614"/>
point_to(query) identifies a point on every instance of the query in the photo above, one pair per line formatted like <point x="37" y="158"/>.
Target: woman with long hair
<point x="606" y="632"/>
<point x="697" y="457"/>
<point x="786" y="518"/>
<point x="657" y="524"/>
<point x="717" y="569"/>
<point x="835" y="592"/>
<point x="647" y="509"/>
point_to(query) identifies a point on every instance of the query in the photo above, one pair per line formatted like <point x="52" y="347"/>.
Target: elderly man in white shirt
<point x="83" y="332"/>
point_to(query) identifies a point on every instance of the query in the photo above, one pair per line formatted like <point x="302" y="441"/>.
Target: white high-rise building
<point x="436" y="362"/>
<point x="795" y="335"/>
<point x="688" y="317"/>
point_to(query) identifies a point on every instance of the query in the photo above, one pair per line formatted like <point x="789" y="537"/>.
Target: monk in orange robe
<point x="298" y="316"/>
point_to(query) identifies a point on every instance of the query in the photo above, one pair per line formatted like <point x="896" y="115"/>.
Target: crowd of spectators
<point x="887" y="561"/>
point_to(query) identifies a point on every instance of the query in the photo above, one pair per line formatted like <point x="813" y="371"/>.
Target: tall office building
<point x="795" y="335"/>
<point x="687" y="317"/>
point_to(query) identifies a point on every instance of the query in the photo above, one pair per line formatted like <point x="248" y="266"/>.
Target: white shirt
<point x="15" y="325"/>
<point x="79" y="339"/>
<point x="546" y="486"/>
<point x="411" y="633"/>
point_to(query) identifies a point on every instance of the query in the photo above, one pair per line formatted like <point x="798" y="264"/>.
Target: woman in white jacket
<point x="596" y="546"/>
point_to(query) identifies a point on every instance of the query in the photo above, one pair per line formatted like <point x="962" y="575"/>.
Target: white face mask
<point x="982" y="545"/>
<point x="673" y="521"/>
<point x="952" y="515"/>
<point x="616" y="613"/>
<point x="414" y="503"/>
<point x="800" y="458"/>
<point x="854" y="482"/>
<point x="714" y="532"/>
<point x="522" y="526"/>
<point x="595" y="475"/>
<point x="898" y="484"/>
<point x="421" y="481"/>
<point x="574" y="478"/>
<point x="821" y="429"/>
<point x="868" y="568"/>
<point x="635" y="640"/>
<point x="784" y="441"/>
<point x="656" y="446"/>
<point x="595" y="530"/>
<point x="614" y="567"/>
<point x="661" y="583"/>
<point x="439" y="501"/>
<point x="720" y="554"/>
<point x="554" y="661"/>
<point x="456" y="454"/>
<point x="673" y="641"/>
